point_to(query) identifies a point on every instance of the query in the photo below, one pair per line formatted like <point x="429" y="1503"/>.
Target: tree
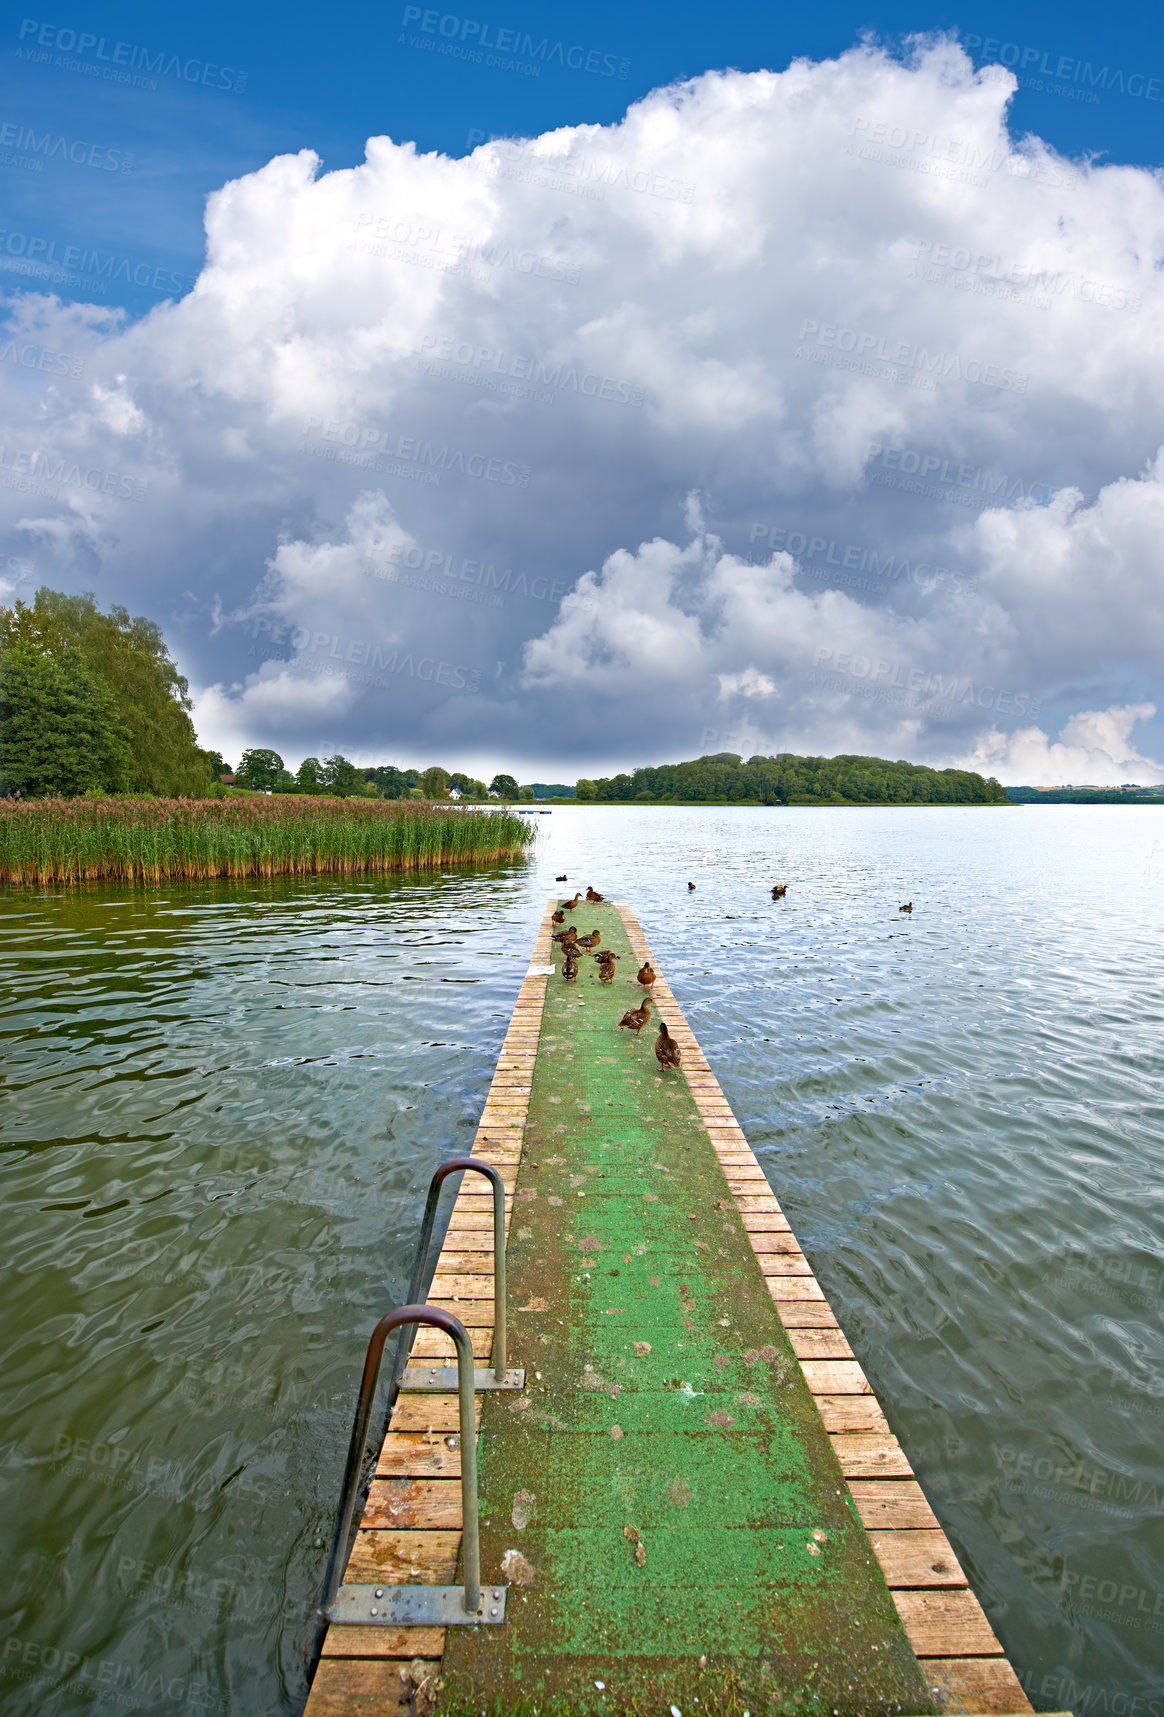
<point x="434" y="783"/>
<point x="504" y="786"/>
<point x="309" y="776"/>
<point x="259" y="770"/>
<point x="388" y="781"/>
<point x="129" y="656"/>
<point x="342" y="778"/>
<point x="217" y="765"/>
<point x="59" y="730"/>
<point x="584" y="789"/>
<point x="526" y="795"/>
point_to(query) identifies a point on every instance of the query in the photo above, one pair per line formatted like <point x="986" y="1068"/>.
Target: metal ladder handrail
<point x="403" y="1317"/>
<point x="454" y="1166"/>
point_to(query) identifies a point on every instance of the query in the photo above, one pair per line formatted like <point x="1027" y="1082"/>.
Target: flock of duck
<point x="634" y="1019"/>
<point x="667" y="1051"/>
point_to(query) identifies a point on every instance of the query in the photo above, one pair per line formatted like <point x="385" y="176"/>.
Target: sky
<point x="560" y="389"/>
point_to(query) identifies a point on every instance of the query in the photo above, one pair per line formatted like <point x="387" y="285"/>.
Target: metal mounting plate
<point x="444" y="1378"/>
<point x="415" y="1606"/>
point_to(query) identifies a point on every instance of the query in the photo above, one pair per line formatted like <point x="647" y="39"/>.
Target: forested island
<point x="725" y="779"/>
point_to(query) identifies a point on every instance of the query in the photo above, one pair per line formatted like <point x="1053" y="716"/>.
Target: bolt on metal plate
<point x="416" y="1606"/>
<point x="444" y="1378"/>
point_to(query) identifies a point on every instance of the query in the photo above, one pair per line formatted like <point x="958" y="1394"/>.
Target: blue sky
<point x="809" y="411"/>
<point x="326" y="79"/>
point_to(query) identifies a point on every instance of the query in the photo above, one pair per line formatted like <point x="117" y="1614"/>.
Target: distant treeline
<point x="1085" y="795"/>
<point x="725" y="779"/>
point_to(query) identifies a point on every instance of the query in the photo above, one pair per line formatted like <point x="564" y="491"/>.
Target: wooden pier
<point x="696" y="1501"/>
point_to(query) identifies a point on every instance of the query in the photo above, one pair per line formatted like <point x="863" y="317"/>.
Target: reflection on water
<point x="220" y="1107"/>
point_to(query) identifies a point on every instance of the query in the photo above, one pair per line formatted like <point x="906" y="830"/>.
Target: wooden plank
<point x="384" y="1642"/>
<point x="765" y="1221"/>
<point x="852" y="1413"/>
<point x="886" y="1503"/>
<point x="404" y="1558"/>
<point x="820" y="1344"/>
<point x="803" y="1314"/>
<point x="794" y="1288"/>
<point x="917" y="1558"/>
<point x="415" y="1412"/>
<point x="871" y="1457"/>
<point x="835" y="1377"/>
<point x="416" y="1455"/>
<point x="946" y="1624"/>
<point x="784" y="1264"/>
<point x="355" y="1687"/>
<point x="435" y="1344"/>
<point x="417" y="1504"/>
<point x="977" y="1684"/>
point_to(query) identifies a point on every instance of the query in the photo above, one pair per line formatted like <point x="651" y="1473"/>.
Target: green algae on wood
<point x="663" y="1498"/>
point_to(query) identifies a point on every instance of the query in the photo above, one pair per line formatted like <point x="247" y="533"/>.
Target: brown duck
<point x="605" y="970"/>
<point x="691" y="888"/>
<point x="590" y="942"/>
<point x="569" y="905"/>
<point x="636" y="1018"/>
<point x="779" y="891"/>
<point x="908" y="907"/>
<point x="647" y="974"/>
<point x="570" y="969"/>
<point x="559" y="917"/>
<point x="666" y="1049"/>
<point x="592" y="895"/>
<point x="561" y="879"/>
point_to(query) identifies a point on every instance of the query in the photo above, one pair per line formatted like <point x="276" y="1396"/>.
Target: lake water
<point x="220" y="1106"/>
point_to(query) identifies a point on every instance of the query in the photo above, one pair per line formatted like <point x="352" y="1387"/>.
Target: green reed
<point x="152" y="840"/>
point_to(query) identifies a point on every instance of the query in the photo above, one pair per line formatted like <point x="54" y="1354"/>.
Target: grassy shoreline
<point x="71" y="841"/>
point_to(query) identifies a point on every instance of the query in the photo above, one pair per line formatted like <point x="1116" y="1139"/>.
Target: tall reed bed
<point x="155" y="840"/>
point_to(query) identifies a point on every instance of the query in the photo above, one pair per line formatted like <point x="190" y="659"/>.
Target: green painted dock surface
<point x="663" y="1498"/>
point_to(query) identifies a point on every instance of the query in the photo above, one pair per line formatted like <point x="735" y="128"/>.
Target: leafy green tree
<point x="388" y="781"/>
<point x="342" y="778"/>
<point x="259" y="770"/>
<point x="526" y="795"/>
<point x="129" y="656"/>
<point x="59" y="729"/>
<point x="504" y="786"/>
<point x="434" y="783"/>
<point x="584" y="790"/>
<point x="217" y="764"/>
<point x="309" y="776"/>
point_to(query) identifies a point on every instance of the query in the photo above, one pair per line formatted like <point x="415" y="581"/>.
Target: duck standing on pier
<point x="559" y="917"/>
<point x="666" y="1049"/>
<point x="569" y="905"/>
<point x="606" y="966"/>
<point x="634" y="1019"/>
<point x="647" y="974"/>
<point x="592" y="895"/>
<point x="570" y="967"/>
<point x="590" y="942"/>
